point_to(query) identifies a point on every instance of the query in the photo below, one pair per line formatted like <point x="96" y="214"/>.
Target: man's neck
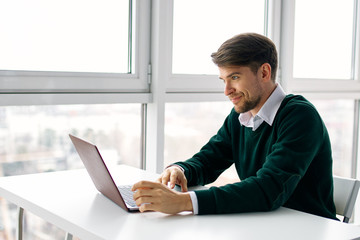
<point x="268" y="91"/>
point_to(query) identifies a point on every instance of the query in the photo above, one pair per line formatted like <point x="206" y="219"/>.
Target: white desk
<point x="70" y="201"/>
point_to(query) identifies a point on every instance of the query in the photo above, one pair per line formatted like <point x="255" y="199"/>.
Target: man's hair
<point x="247" y="49"/>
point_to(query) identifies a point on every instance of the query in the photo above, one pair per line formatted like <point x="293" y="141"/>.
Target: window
<point x="189" y="126"/>
<point x="201" y="26"/>
<point x="323" y="45"/>
<point x="35" y="138"/>
<point x="338" y="116"/>
<point x="69" y="36"/>
<point x="74" y="46"/>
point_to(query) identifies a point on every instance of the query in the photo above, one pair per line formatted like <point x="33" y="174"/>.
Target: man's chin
<point x="241" y="109"/>
<point x="238" y="110"/>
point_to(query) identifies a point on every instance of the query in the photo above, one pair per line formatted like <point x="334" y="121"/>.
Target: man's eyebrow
<point x="231" y="74"/>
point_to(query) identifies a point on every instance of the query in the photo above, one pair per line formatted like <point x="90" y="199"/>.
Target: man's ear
<point x="265" y="71"/>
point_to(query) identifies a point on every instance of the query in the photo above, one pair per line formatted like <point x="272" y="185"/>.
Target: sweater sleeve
<point x="213" y="158"/>
<point x="300" y="137"/>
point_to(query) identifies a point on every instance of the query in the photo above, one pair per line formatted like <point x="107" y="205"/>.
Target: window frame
<point x="335" y="87"/>
<point x="206" y="83"/>
<point x="54" y="82"/>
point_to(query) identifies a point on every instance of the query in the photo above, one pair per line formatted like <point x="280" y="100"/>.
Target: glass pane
<point x="64" y="35"/>
<point x="189" y="126"/>
<point x="201" y="26"/>
<point x="323" y="39"/>
<point x="35" y="138"/>
<point x="338" y="116"/>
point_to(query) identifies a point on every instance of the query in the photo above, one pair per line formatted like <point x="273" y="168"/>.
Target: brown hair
<point x="247" y="49"/>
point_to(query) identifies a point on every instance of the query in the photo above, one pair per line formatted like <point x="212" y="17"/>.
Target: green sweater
<point x="287" y="164"/>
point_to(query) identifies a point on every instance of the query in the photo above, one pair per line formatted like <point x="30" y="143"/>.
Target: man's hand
<point x="154" y="196"/>
<point x="174" y="175"/>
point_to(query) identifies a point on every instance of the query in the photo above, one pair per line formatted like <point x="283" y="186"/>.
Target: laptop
<point x="100" y="175"/>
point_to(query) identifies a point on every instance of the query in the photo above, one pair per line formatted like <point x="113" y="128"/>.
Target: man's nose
<point x="228" y="89"/>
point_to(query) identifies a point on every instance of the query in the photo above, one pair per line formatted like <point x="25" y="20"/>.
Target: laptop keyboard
<point x="127" y="195"/>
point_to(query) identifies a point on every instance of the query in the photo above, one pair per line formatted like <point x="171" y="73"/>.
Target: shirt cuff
<point x="194" y="202"/>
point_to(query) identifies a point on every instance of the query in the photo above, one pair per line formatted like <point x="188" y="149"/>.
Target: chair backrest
<point x="345" y="194"/>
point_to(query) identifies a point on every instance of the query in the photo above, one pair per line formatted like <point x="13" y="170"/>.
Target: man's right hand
<point x="174" y="175"/>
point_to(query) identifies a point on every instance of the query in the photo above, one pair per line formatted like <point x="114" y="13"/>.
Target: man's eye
<point x="234" y="77"/>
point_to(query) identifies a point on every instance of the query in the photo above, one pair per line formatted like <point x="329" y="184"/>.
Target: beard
<point x="247" y="104"/>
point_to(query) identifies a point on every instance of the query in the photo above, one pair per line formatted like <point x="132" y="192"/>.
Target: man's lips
<point x="235" y="99"/>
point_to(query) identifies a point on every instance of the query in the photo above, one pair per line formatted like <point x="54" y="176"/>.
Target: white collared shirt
<point x="266" y="114"/>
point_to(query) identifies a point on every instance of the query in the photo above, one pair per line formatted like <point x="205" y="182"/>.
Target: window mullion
<point x="286" y="51"/>
<point x="354" y="40"/>
<point x="130" y="37"/>
<point x="355" y="146"/>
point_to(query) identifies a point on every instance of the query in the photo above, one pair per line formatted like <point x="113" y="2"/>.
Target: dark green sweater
<point x="287" y="164"/>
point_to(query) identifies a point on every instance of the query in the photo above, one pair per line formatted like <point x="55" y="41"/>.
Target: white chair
<point x="345" y="194"/>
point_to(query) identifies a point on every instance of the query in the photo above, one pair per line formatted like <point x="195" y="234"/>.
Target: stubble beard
<point x="247" y="105"/>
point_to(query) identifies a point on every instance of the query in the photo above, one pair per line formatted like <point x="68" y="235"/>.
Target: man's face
<point x="243" y="88"/>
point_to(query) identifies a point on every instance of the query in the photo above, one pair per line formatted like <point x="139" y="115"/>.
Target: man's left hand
<point x="154" y="196"/>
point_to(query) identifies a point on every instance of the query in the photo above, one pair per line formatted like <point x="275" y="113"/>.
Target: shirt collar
<point x="267" y="112"/>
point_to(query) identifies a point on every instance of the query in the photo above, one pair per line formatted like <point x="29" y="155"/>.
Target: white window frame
<point x="179" y="84"/>
<point x="324" y="88"/>
<point x="40" y="87"/>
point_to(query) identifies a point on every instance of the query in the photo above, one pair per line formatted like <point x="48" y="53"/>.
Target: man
<point x="278" y="143"/>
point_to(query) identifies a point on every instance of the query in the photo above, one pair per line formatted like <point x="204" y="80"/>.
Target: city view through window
<point x="35" y="139"/>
